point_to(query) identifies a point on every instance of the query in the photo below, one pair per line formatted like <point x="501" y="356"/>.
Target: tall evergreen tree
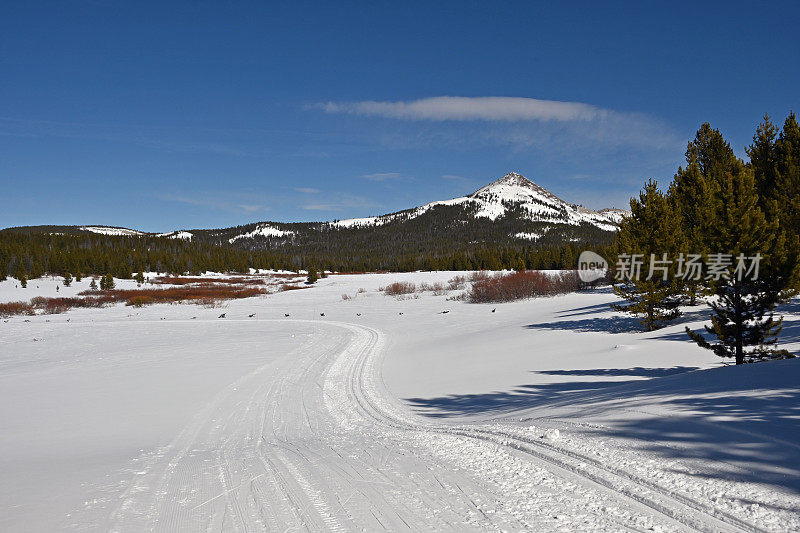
<point x="689" y="195"/>
<point x="787" y="195"/>
<point x="739" y="234"/>
<point x="763" y="161"/>
<point x="651" y="234"/>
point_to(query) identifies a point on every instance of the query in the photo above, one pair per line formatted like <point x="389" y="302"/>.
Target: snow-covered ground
<point x="386" y="413"/>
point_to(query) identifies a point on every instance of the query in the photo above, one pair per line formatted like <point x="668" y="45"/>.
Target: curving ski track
<point x="314" y="442"/>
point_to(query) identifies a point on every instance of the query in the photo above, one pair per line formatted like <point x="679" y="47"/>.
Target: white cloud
<point x="518" y="122"/>
<point x="307" y="190"/>
<point x="382" y="176"/>
<point x="486" y="108"/>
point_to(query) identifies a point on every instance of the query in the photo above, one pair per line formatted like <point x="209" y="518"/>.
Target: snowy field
<point x="552" y="414"/>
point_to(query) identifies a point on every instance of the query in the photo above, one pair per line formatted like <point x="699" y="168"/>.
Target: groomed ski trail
<point x="313" y="441"/>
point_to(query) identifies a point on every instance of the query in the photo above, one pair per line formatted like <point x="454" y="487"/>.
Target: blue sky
<point x="171" y="115"/>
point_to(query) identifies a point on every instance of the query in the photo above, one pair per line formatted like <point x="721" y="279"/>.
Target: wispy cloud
<point x="492" y="108"/>
<point x="515" y="121"/>
<point x="382" y="176"/>
<point x="307" y="190"/>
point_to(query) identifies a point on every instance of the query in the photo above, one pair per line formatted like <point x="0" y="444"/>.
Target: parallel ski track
<point x="369" y="393"/>
<point x="286" y="485"/>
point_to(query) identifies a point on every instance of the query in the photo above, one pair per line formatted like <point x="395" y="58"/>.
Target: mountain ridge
<point x="524" y="209"/>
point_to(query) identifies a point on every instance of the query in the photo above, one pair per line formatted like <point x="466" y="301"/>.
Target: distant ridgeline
<point x="511" y="223"/>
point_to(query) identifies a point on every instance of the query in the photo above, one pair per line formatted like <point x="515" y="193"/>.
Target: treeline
<point x="725" y="231"/>
<point x="24" y="254"/>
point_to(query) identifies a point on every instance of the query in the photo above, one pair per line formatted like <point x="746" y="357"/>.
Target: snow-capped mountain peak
<point x="515" y="187"/>
<point x="511" y="191"/>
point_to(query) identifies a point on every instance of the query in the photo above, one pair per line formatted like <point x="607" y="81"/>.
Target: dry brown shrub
<point x="205" y="293"/>
<point x="290" y="287"/>
<point x="178" y="294"/>
<point x="399" y="288"/>
<point x="480" y="275"/>
<point x="457" y="283"/>
<point x="178" y="280"/>
<point x="357" y="273"/>
<point x="439" y="289"/>
<point x="520" y="285"/>
<point x="15" y="308"/>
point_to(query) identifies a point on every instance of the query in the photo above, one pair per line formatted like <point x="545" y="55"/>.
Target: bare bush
<point x="412" y="296"/>
<point x="480" y="275"/>
<point x="399" y="288"/>
<point x="346" y="297"/>
<point x="457" y="283"/>
<point x="178" y="280"/>
<point x="15" y="308"/>
<point x="520" y="285"/>
<point x="439" y="289"/>
<point x="460" y="297"/>
<point x="361" y="290"/>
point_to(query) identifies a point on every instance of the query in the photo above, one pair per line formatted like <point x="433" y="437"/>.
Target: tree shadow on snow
<point x="617" y="323"/>
<point x="526" y="396"/>
<point x="743" y="422"/>
<point x="790" y="332"/>
<point x="612" y="324"/>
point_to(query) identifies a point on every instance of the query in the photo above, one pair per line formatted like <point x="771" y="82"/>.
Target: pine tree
<point x="688" y="194"/>
<point x="67" y="279"/>
<point x="139" y="277"/>
<point x="78" y="277"/>
<point x="763" y="161"/>
<point x="23" y="279"/>
<point x="313" y="276"/>
<point x="742" y="319"/>
<point x="652" y="233"/>
<point x="787" y="195"/>
<point x="107" y="282"/>
<point x="93" y="285"/>
<point x="712" y="152"/>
